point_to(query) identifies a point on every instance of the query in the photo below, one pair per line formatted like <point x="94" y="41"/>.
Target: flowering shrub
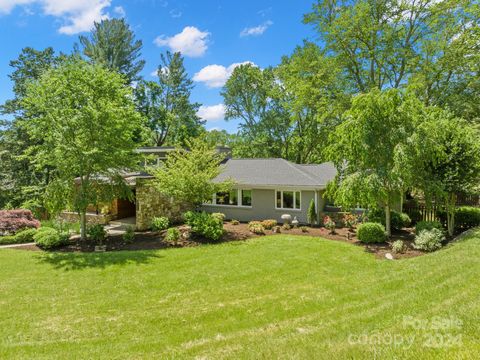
<point x="12" y="221"/>
<point x="269" y="224"/>
<point x="350" y="220"/>
<point x="256" y="227"/>
<point x="329" y="224"/>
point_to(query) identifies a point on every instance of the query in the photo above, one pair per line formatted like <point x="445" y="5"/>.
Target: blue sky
<point x="214" y="36"/>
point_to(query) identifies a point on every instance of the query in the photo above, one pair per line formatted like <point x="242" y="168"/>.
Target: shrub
<point x="311" y="213"/>
<point x="205" y="225"/>
<point x="235" y="222"/>
<point x="25" y="236"/>
<point x="329" y="224"/>
<point x="129" y="234"/>
<point x="350" y="220"/>
<point x="219" y="216"/>
<point x="286" y="226"/>
<point x="467" y="217"/>
<point x="253" y="223"/>
<point x="304" y="229"/>
<point x="277" y="229"/>
<point x="399" y="247"/>
<point x="97" y="233"/>
<point x="427" y="225"/>
<point x="269" y="224"/>
<point x="172" y="236"/>
<point x="257" y="228"/>
<point x="12" y="221"/>
<point x="159" y="223"/>
<point x="397" y="220"/>
<point x="7" y="239"/>
<point x="49" y="238"/>
<point x="371" y="233"/>
<point x="429" y="240"/>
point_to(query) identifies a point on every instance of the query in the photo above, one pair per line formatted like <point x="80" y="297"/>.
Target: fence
<point x="422" y="212"/>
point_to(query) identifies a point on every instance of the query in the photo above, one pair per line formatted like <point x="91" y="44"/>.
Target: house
<point x="269" y="188"/>
<point x="264" y="189"/>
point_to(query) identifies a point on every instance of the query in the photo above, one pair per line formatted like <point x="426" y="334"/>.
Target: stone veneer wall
<point x="151" y="203"/>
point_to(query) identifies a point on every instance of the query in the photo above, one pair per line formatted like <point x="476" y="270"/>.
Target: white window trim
<point x="239" y="197"/>
<point x="294" y="199"/>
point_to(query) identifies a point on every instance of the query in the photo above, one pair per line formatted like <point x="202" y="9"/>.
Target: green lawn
<point x="271" y="297"/>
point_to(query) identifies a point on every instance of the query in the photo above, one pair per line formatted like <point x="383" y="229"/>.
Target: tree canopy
<point x="112" y="44"/>
<point x="86" y="119"/>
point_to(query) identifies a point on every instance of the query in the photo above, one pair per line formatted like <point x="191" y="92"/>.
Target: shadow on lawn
<point x="78" y="261"/>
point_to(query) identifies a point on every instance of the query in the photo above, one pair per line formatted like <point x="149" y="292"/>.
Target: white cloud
<point x="77" y="16"/>
<point x="211" y="113"/>
<point x="175" y="13"/>
<point x="215" y="76"/>
<point x="256" y="30"/>
<point x="190" y="42"/>
<point x="120" y="11"/>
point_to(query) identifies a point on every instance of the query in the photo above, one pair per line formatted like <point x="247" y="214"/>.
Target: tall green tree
<point x="19" y="180"/>
<point x="364" y="148"/>
<point x="86" y="119"/>
<point x="315" y="96"/>
<point x="254" y="96"/>
<point x="442" y="158"/>
<point x="166" y="104"/>
<point x="381" y="43"/>
<point x="112" y="44"/>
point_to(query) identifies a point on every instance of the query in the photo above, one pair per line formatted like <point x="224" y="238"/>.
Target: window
<point x="246" y="197"/>
<point x="235" y="197"/>
<point x="288" y="200"/>
<point x="227" y="198"/>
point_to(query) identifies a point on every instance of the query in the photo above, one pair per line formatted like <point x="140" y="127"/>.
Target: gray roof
<point x="277" y="172"/>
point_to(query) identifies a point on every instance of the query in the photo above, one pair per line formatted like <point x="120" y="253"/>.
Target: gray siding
<point x="263" y="207"/>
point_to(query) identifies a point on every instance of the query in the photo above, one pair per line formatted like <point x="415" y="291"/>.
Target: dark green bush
<point x="205" y="225"/>
<point x="129" y="234"/>
<point x="159" y="223"/>
<point x="49" y="238"/>
<point x="467" y="217"/>
<point x="427" y="225"/>
<point x="371" y="233"/>
<point x="397" y="220"/>
<point x="97" y="233"/>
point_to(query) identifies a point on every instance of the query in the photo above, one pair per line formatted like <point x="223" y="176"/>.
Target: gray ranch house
<point x="264" y="189"/>
<point x="269" y="188"/>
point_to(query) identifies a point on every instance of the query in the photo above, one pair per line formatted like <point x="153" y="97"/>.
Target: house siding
<point x="263" y="207"/>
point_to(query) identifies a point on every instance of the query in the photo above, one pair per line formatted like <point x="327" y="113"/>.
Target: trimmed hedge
<point x="24" y="236"/>
<point x="371" y="232"/>
<point x="467" y="217"/>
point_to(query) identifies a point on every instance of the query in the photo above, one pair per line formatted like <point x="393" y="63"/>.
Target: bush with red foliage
<point x="12" y="221"/>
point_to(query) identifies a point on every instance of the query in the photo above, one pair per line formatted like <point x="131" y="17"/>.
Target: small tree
<point x="312" y="213"/>
<point x="443" y="159"/>
<point x="85" y="117"/>
<point x="188" y="175"/>
<point x="364" y="146"/>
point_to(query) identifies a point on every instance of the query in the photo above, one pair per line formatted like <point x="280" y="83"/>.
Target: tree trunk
<point x="83" y="225"/>
<point x="451" y="202"/>
<point x="388" y="227"/>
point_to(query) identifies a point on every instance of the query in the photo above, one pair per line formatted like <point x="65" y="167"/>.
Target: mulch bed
<point x="240" y="232"/>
